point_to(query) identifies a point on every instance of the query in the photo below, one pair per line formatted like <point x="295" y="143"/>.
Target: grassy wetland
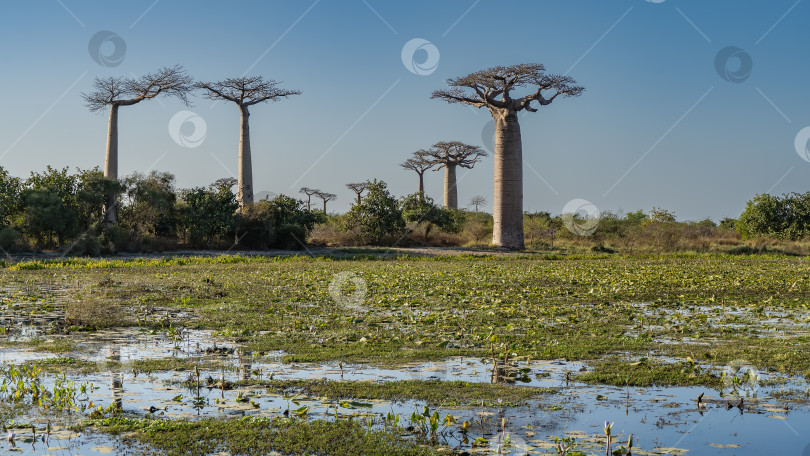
<point x="403" y="354"/>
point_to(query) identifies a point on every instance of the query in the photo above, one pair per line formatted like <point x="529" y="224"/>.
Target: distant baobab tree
<point x="359" y="188"/>
<point x="326" y="197"/>
<point x="451" y="155"/>
<point x="477" y="200"/>
<point x="492" y="89"/>
<point x="245" y="92"/>
<point x="419" y="163"/>
<point x="309" y="192"/>
<point x="114" y="92"/>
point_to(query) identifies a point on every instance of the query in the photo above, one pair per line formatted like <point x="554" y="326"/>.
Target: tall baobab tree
<point x="359" y="188"/>
<point x="492" y="89"/>
<point x="309" y="192"/>
<point x="326" y="197"/>
<point x="477" y="200"/>
<point x="114" y="92"/>
<point x="419" y="163"/>
<point x="451" y="155"/>
<point x="245" y="92"/>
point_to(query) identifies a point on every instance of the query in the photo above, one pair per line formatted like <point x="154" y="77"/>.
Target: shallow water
<point x="662" y="420"/>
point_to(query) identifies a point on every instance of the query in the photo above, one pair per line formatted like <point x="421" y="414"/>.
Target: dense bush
<point x="378" y="215"/>
<point x="785" y="217"/>
<point x="282" y="223"/>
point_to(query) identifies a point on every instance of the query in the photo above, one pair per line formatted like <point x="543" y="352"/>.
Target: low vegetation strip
<point x="434" y="392"/>
<point x="258" y="436"/>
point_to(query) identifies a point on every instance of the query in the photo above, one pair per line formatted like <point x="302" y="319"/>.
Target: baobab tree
<point x="359" y="188"/>
<point x="451" y="155"/>
<point x="114" y="92"/>
<point x="326" y="197"/>
<point x="309" y="192"/>
<point x="492" y="89"/>
<point x="419" y="163"/>
<point x="476" y="201"/>
<point x="245" y="92"/>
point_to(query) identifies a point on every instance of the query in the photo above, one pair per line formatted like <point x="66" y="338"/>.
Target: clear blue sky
<point x="706" y="145"/>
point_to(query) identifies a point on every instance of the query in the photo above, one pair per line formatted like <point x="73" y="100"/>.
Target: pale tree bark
<point x="244" y="186"/>
<point x="115" y="92"/>
<point x="450" y="193"/>
<point x="245" y="92"/>
<point x="492" y="89"/>
<point x="111" y="164"/>
<point x="507" y="229"/>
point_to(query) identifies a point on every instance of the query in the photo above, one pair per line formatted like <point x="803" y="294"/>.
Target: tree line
<point x="61" y="210"/>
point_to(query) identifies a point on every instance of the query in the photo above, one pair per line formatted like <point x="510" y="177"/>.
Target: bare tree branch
<point x="493" y="87"/>
<point x="245" y="91"/>
<point x="455" y="153"/>
<point x="420" y="162"/>
<point x="169" y="81"/>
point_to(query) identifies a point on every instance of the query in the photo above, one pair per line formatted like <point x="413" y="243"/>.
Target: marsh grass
<point x="433" y="392"/>
<point x="259" y="437"/>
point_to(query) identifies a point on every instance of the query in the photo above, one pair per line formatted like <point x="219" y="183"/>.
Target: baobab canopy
<point x="493" y="87"/>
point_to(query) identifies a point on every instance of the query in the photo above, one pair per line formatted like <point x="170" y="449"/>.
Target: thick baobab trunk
<point x="324" y="206"/>
<point x="358" y="198"/>
<point x="507" y="230"/>
<point x="421" y="185"/>
<point x="309" y="202"/>
<point x="450" y="193"/>
<point x="244" y="193"/>
<point x="111" y="164"/>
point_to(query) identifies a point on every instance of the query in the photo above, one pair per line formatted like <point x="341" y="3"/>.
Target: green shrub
<point x="8" y="238"/>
